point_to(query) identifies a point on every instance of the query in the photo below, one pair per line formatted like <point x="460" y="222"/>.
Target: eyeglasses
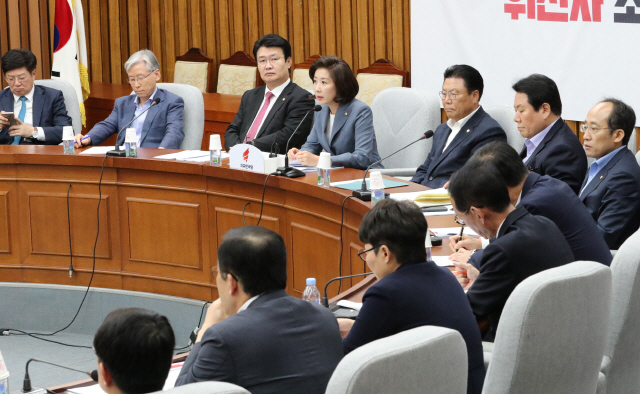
<point x="21" y="78"/>
<point x="362" y="252"/>
<point x="452" y="95"/>
<point x="592" y="129"/>
<point x="139" y="79"/>
<point x="273" y="60"/>
<point x="459" y="220"/>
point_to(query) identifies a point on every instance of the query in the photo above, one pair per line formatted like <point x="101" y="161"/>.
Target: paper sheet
<point x="190" y="155"/>
<point x="446" y="232"/>
<point x="442" y="261"/>
<point x="350" y="304"/>
<point x="99" y="150"/>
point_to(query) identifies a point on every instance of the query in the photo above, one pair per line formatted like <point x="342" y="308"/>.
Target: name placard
<point x="246" y="157"/>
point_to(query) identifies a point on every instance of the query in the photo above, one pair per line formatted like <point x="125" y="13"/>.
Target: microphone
<point x="26" y="385"/>
<point x="325" y="299"/>
<point x="120" y="153"/>
<point x="287" y="171"/>
<point x="94" y="375"/>
<point x="364" y="194"/>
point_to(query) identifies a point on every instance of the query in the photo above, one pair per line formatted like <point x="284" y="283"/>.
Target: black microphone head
<point x="317" y="108"/>
<point x="156" y="100"/>
<point x="94" y="375"/>
<point x="428" y="134"/>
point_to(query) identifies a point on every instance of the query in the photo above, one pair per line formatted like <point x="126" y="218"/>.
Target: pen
<point x="88" y="136"/>
<point x="460" y="236"/>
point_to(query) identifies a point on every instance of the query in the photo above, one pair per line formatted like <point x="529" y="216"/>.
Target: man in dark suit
<point x="268" y="115"/>
<point x="611" y="189"/>
<point x="540" y="195"/>
<point x="134" y="348"/>
<point x="524" y="244"/>
<point x="469" y="127"/>
<point x="157" y="114"/>
<point x="39" y="111"/>
<point x="411" y="291"/>
<point x="257" y="336"/>
<point x="550" y="147"/>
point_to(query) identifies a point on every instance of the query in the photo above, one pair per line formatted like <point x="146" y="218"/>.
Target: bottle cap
<point x="67" y="133"/>
<point x="214" y="142"/>
<point x="131" y="135"/>
<point x="324" y="161"/>
<point x="375" y="181"/>
<point x="311" y="281"/>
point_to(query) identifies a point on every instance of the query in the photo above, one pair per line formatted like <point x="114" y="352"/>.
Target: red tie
<point x="256" y="123"/>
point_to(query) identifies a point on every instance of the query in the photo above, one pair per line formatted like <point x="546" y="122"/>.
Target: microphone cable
<point x="341" y="241"/>
<point x="264" y="189"/>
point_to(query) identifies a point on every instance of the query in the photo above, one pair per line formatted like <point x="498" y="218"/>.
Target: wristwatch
<point x="34" y="135"/>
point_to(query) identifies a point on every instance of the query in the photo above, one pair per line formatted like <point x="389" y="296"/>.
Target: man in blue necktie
<point x="611" y="189"/>
<point x="39" y="111"/>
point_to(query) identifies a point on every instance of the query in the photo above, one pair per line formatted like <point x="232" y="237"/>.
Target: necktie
<point x="256" y="123"/>
<point x="23" y="112"/>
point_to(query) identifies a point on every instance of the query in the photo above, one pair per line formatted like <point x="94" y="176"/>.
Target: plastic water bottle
<point x="131" y="149"/>
<point x="324" y="177"/>
<point x="311" y="292"/>
<point x="376" y="184"/>
<point x="68" y="147"/>
<point x="215" y="157"/>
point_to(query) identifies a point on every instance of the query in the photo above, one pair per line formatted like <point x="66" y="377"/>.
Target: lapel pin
<point x="468" y="130"/>
<point x="284" y="98"/>
<point x="601" y="177"/>
<point x="346" y="113"/>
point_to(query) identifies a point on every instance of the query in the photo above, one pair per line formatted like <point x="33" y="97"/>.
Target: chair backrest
<point x="424" y="359"/>
<point x="504" y="116"/>
<point x="238" y="74"/>
<point x="632" y="141"/>
<point x="300" y="75"/>
<point x="71" y="101"/>
<point x="552" y="332"/>
<point x="206" y="388"/>
<point x="382" y="74"/>
<point x="622" y="349"/>
<point x="195" y="69"/>
<point x="402" y="115"/>
<point x="193" y="113"/>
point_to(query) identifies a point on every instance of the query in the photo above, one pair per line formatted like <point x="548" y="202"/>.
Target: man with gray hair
<point x="158" y="114"/>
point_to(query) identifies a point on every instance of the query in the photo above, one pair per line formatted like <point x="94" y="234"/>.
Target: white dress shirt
<point x="455" y="127"/>
<point x="28" y="116"/>
<point x="276" y="93"/>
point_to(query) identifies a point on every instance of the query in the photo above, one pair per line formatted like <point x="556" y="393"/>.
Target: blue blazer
<point x="162" y="127"/>
<point x="613" y="198"/>
<point x="353" y="141"/>
<point x="439" y="166"/>
<point x="419" y="294"/>
<point x="49" y="112"/>
<point x="559" y="155"/>
<point x="279" y="344"/>
<point x="525" y="245"/>
<point x="549" y="197"/>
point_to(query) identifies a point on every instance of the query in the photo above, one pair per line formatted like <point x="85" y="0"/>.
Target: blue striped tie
<point x="23" y="112"/>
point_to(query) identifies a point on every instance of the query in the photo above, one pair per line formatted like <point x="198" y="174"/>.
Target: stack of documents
<point x="432" y="197"/>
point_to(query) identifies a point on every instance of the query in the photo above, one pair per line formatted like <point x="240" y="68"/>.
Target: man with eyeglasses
<point x="161" y="126"/>
<point x="551" y="148"/>
<point x="522" y="244"/>
<point x="268" y="115"/>
<point x="611" y="189"/>
<point x="469" y="127"/>
<point x="39" y="112"/>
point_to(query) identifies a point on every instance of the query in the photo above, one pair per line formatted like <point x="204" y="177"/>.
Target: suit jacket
<point x="49" y="112"/>
<point x="162" y="127"/>
<point x="439" y="166"/>
<point x="549" y="197"/>
<point x="559" y="155"/>
<point x="419" y="294"/>
<point x="279" y="124"/>
<point x="525" y="245"/>
<point x="353" y="141"/>
<point x="279" y="344"/>
<point x="613" y="198"/>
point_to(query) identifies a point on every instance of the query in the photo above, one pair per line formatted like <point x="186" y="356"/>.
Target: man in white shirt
<point x="39" y="112"/>
<point x="469" y="127"/>
<point x="269" y="114"/>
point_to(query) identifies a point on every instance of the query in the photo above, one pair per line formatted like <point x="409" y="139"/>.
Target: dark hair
<point x="472" y="79"/>
<point x="398" y="224"/>
<point x="540" y="89"/>
<point x="136" y="347"/>
<point x="346" y="83"/>
<point x="272" y="41"/>
<point x="18" y="58"/>
<point x="504" y="158"/>
<point x="622" y="117"/>
<point x="479" y="185"/>
<point x="256" y="257"/>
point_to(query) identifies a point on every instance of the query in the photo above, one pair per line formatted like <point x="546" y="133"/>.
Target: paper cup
<point x="325" y="160"/>
<point x="214" y="142"/>
<point x="131" y="135"/>
<point x="375" y="180"/>
<point x="67" y="133"/>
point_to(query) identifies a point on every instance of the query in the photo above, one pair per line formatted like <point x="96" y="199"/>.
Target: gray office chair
<point x="193" y="113"/>
<point x="425" y="359"/>
<point x="504" y="116"/>
<point x="70" y="100"/>
<point x="206" y="388"/>
<point x="621" y="364"/>
<point x="402" y="115"/>
<point x="552" y="332"/>
<point x="632" y="142"/>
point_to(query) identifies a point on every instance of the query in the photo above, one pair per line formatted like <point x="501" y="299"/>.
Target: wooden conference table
<point x="161" y="221"/>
